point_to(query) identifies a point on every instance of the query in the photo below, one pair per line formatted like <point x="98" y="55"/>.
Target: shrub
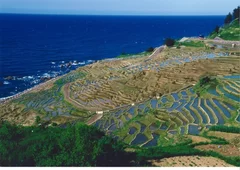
<point x="78" y="145"/>
<point x="217" y="29"/>
<point x="150" y="49"/>
<point x="169" y="42"/>
<point x="221" y="128"/>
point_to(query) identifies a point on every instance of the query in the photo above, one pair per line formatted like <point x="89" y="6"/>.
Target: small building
<point x="99" y="112"/>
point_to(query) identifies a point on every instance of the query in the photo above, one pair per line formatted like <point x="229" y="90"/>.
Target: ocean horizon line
<point x="112" y="15"/>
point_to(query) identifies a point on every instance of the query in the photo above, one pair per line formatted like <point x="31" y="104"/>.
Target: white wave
<point x="46" y="75"/>
<point x="30" y="77"/>
<point x="6" y="82"/>
<point x="90" y="61"/>
<point x="82" y="63"/>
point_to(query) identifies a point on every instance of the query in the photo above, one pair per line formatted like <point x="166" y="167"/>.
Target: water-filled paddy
<point x="195" y="106"/>
<point x="143" y="127"/>
<point x="140" y="139"/>
<point x="173" y="132"/>
<point x="233" y="77"/>
<point x="175" y="96"/>
<point x="173" y="107"/>
<point x="216" y="112"/>
<point x="163" y="127"/>
<point x="193" y="130"/>
<point x="112" y="127"/>
<point x="207" y="111"/>
<point x="213" y="91"/>
<point x="132" y="130"/>
<point x="152" y="142"/>
<point x="231" y="107"/>
<point x="164" y="100"/>
<point x="230" y="96"/>
<point x="153" y="127"/>
<point x="182" y="130"/>
<point x="196" y="120"/>
<point x="231" y="89"/>
<point x="224" y="110"/>
<point x="154" y="103"/>
<point x="131" y="111"/>
<point x="183" y="103"/>
<point x="238" y="118"/>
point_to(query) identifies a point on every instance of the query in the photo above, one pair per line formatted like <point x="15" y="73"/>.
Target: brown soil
<point x="228" y="136"/>
<point x="226" y="150"/>
<point x="197" y="139"/>
<point x="190" y="161"/>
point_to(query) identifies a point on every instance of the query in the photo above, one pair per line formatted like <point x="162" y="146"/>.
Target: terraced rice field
<point x="139" y="98"/>
<point x="50" y="103"/>
<point x="107" y="87"/>
<point x="182" y="112"/>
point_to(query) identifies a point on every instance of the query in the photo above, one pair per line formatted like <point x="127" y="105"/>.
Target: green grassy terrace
<point x="190" y="44"/>
<point x="228" y="32"/>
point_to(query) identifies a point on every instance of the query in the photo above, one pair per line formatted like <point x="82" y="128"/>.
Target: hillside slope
<point x="228" y="32"/>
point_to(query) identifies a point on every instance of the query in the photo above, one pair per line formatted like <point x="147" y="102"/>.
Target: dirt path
<point x="94" y="119"/>
<point x="156" y="52"/>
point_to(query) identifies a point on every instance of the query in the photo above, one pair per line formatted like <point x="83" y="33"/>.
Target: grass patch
<point x="228" y="32"/>
<point x="124" y="55"/>
<point x="190" y="44"/>
<point x="205" y="83"/>
<point x="221" y="128"/>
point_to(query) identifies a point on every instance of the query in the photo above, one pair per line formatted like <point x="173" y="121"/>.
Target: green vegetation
<point x="236" y="13"/>
<point x="228" y="18"/>
<point x="228" y="32"/>
<point x="145" y="53"/>
<point x="180" y="150"/>
<point x="231" y="29"/>
<point x="190" y="44"/>
<point x="78" y="145"/>
<point x="205" y="83"/>
<point x="142" y="54"/>
<point x="83" y="145"/>
<point x="221" y="128"/>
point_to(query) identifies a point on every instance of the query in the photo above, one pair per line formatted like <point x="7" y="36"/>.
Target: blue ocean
<point x="34" y="48"/>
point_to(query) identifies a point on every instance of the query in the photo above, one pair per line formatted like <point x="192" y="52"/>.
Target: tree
<point x="78" y="145"/>
<point x="37" y="120"/>
<point x="217" y="29"/>
<point x="236" y="13"/>
<point x="169" y="42"/>
<point x="228" y="18"/>
<point x="150" y="49"/>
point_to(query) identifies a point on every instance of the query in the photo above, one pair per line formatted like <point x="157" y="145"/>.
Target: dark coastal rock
<point x="8" y="78"/>
<point x="69" y="64"/>
<point x="45" y="78"/>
